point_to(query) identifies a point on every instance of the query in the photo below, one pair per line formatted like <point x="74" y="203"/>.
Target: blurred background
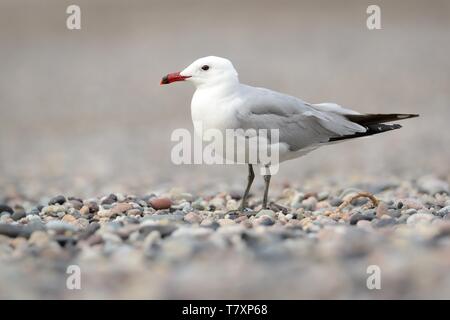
<point x="82" y="111"/>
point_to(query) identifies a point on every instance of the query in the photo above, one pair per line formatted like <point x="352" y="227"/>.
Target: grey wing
<point x="299" y="124"/>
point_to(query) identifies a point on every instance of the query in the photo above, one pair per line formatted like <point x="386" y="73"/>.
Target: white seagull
<point x="221" y="102"/>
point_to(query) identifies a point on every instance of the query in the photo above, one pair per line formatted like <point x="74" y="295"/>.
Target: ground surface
<point x="82" y="114"/>
<point x="179" y="245"/>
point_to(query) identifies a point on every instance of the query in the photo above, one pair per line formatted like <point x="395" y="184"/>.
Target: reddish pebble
<point x="160" y="203"/>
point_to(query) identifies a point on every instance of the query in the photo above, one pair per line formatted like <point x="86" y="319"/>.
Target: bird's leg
<point x="251" y="177"/>
<point x="266" y="190"/>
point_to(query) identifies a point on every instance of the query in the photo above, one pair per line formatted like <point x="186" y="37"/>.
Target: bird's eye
<point x="205" y="67"/>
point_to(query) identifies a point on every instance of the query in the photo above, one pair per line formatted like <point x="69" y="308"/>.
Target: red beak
<point x="172" y="77"/>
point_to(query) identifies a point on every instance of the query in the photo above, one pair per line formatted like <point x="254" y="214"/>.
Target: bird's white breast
<point x="213" y="110"/>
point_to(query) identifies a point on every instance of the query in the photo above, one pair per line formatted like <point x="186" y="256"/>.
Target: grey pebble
<point x="16" y="216"/>
<point x="57" y="200"/>
<point x="5" y="208"/>
<point x="359" y="216"/>
<point x="164" y="229"/>
<point x="112" y="198"/>
<point x="90" y="230"/>
<point x="13" y="231"/>
<point x="60" y="226"/>
<point x="384" y="223"/>
<point x="444" y="211"/>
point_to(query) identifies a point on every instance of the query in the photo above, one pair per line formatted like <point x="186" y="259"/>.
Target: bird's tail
<point x="375" y="123"/>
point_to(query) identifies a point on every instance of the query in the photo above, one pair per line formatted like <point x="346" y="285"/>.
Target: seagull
<point x="221" y="102"/>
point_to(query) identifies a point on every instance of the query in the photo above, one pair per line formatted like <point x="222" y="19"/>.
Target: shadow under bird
<point x="221" y="102"/>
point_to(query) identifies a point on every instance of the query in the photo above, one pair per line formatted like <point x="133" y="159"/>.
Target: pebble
<point x="358" y="217"/>
<point x="89" y="230"/>
<point x="265" y="212"/>
<point x="84" y="210"/>
<point x="164" y="229"/>
<point x="112" y="198"/>
<point x="10" y="230"/>
<point x="57" y="200"/>
<point x="420" y="218"/>
<point x="134" y="212"/>
<point x="309" y="204"/>
<point x="433" y="185"/>
<point x="93" y="207"/>
<point x="412" y="204"/>
<point x="444" y="211"/>
<point x="76" y="204"/>
<point x="382" y="209"/>
<point x="264" y="220"/>
<point x="60" y="226"/>
<point x="160" y="203"/>
<point x="384" y="222"/>
<point x="39" y="239"/>
<point x="5" y="208"/>
<point x="120" y="208"/>
<point x="226" y="222"/>
<point x="16" y="216"/>
<point x="192" y="217"/>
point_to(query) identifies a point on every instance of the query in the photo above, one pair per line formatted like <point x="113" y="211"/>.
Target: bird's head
<point x="205" y="71"/>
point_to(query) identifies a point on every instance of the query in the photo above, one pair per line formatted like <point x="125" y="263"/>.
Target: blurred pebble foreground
<point x="177" y="245"/>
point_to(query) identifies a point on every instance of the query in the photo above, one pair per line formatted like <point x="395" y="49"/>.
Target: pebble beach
<point x="178" y="245"/>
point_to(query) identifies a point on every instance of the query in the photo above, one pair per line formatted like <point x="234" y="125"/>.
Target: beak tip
<point x="164" y="80"/>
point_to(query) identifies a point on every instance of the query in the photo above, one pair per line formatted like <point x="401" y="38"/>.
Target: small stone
<point x="39" y="239"/>
<point x="65" y="241"/>
<point x="264" y="221"/>
<point x="225" y="222"/>
<point x="432" y="185"/>
<point x="382" y="209"/>
<point x="93" y="207"/>
<point x="385" y="222"/>
<point x="164" y="229"/>
<point x="192" y="217"/>
<point x="160" y="203"/>
<point x="5" y="208"/>
<point x="335" y="201"/>
<point x="90" y="230"/>
<point x="150" y="240"/>
<point x="412" y="204"/>
<point x="358" y="217"/>
<point x="11" y="231"/>
<point x="60" y="226"/>
<point x="57" y="200"/>
<point x="120" y="208"/>
<point x="265" y="212"/>
<point x="76" y="204"/>
<point x="309" y="204"/>
<point x="444" y="211"/>
<point x="35" y="225"/>
<point x="420" y="218"/>
<point x="323" y="195"/>
<point x="16" y="216"/>
<point x="112" y="198"/>
<point x="394" y="213"/>
<point x="84" y="210"/>
<point x="134" y="212"/>
<point x="410" y="211"/>
<point x="209" y="223"/>
<point x="364" y="224"/>
<point x="120" y="197"/>
<point x="69" y="218"/>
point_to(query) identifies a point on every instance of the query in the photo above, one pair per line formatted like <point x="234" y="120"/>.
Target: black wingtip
<point x="371" y="130"/>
